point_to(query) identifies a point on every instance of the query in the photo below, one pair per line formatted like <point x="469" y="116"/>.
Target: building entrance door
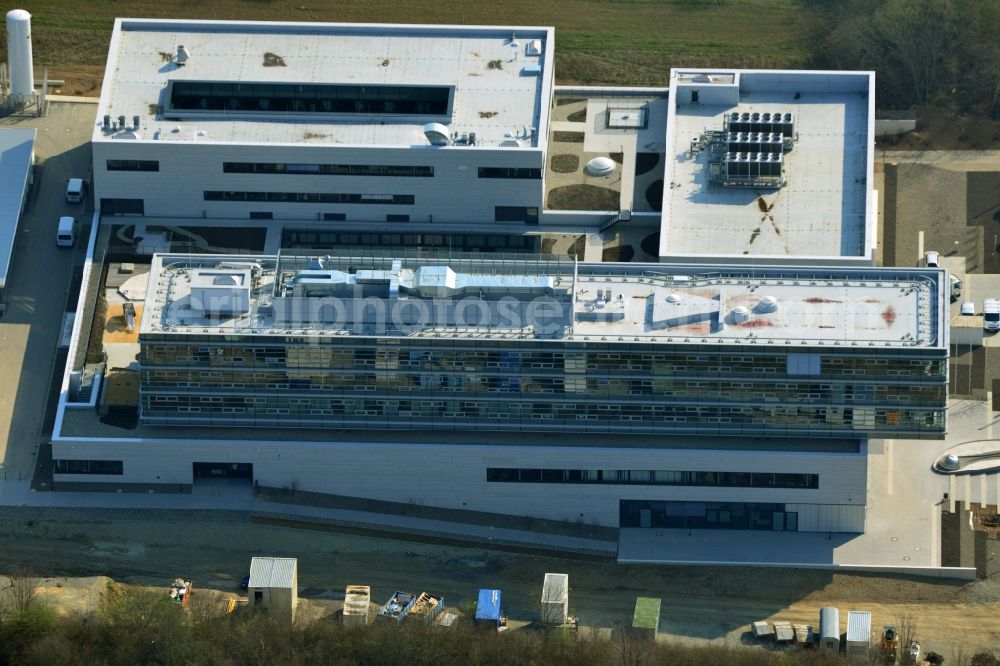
<point x="645" y="517"/>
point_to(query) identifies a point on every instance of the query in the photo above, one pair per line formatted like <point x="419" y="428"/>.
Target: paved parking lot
<point x="40" y="281"/>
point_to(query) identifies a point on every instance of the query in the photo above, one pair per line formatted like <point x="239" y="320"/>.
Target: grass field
<point x="631" y="42"/>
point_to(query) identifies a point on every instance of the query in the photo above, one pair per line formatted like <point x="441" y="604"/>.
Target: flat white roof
<point x="825" y="208"/>
<point x="501" y="78"/>
<point x="16" y="150"/>
<point x="598" y="302"/>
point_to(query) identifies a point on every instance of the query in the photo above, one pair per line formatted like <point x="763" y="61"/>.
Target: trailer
<point x="859" y="634"/>
<point x="488" y="611"/>
<point x="397" y="608"/>
<point x="646" y="619"/>
<point x="357" y="605"/>
<point x="829" y="630"/>
<point x="555" y="599"/>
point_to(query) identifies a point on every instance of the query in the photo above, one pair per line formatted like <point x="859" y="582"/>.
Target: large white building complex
<point x="324" y="122"/>
<point x="368" y="348"/>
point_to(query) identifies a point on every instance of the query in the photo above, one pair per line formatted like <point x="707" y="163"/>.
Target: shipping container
<point x="859" y="634"/>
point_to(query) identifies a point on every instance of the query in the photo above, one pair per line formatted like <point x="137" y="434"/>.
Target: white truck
<point x="991" y="314"/>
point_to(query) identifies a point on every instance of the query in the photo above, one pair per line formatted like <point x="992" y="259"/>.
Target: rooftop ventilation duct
<point x="182" y="56"/>
<point x="601" y="166"/>
<point x="740" y="314"/>
<point x="767" y="304"/>
<point x="437" y="134"/>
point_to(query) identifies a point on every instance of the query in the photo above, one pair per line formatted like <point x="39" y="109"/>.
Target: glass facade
<point x="298" y="169"/>
<point x="133" y="165"/>
<point x="311" y="197"/>
<point x="533" y="385"/>
<point x="114" y="467"/>
<point x="482" y="243"/>
<point x="707" y="515"/>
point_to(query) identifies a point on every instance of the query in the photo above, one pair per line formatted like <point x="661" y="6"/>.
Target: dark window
<point x="501" y="474"/>
<point x="796" y="481"/>
<point x="741" y="479"/>
<point x="123" y="206"/>
<point x="706" y="515"/>
<point x="531" y="475"/>
<point x="510" y="172"/>
<point x="133" y="165"/>
<point x="334" y="217"/>
<point x="87" y="467"/>
<point x="656" y="477"/>
<point x="517" y="214"/>
<point x="310" y="197"/>
<point x="297" y="98"/>
<point x="329" y="169"/>
<point x="397" y="218"/>
<point x="254" y="215"/>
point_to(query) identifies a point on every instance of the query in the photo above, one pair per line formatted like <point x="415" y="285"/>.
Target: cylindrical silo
<point x="22" y="75"/>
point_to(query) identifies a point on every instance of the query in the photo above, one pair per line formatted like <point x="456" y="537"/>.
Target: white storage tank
<point x="859" y="634"/>
<point x="22" y="75"/>
<point x="829" y="630"/>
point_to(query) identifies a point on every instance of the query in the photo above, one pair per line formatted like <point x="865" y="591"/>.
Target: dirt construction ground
<point x="700" y="604"/>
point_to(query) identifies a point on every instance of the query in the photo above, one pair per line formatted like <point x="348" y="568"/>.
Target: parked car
<point x="932" y="259"/>
<point x="968" y="309"/>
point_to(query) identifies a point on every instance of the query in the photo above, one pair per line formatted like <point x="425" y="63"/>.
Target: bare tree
<point x="19" y="595"/>
<point x="908" y="42"/>
<point x="906" y="625"/>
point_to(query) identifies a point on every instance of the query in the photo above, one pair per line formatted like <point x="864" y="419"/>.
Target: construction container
<point x="357" y="604"/>
<point x="803" y="634"/>
<point x="274" y="586"/>
<point x="397" y="608"/>
<point x="646" y="619"/>
<point x="180" y="591"/>
<point x="425" y="608"/>
<point x="859" y="634"/>
<point x="829" y="629"/>
<point x="762" y="629"/>
<point x="488" y="614"/>
<point x="555" y="598"/>
<point x="783" y="632"/>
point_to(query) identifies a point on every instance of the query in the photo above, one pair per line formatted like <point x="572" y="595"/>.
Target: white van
<point x="991" y="314"/>
<point x="66" y="233"/>
<point x="931" y="259"/>
<point x="76" y="189"/>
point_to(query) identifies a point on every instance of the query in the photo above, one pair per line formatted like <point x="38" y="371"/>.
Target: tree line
<point x="941" y="52"/>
